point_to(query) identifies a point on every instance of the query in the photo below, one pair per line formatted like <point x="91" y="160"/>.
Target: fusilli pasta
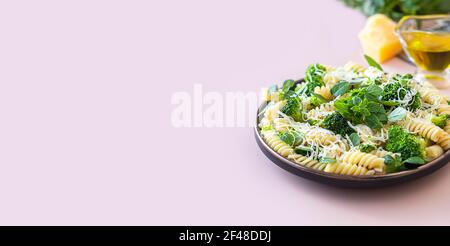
<point x="273" y="140"/>
<point x="348" y="169"/>
<point x="424" y="129"/>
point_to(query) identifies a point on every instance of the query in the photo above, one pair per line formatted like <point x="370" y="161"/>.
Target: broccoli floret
<point x="336" y="123"/>
<point x="397" y="90"/>
<point x="440" y="120"/>
<point x="314" y="77"/>
<point x="407" y="144"/>
<point x="366" y="147"/>
<point x="293" y="108"/>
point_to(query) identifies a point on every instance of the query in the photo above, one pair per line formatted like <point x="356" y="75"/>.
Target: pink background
<point x="86" y="136"/>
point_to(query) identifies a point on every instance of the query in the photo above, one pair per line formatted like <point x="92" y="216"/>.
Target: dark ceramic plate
<point x="346" y="180"/>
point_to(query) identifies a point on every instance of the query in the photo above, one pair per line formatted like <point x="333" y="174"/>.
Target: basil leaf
<point x="340" y="88"/>
<point x="288" y="138"/>
<point x="301" y="150"/>
<point x="389" y="160"/>
<point x="415" y="160"/>
<point x="328" y="160"/>
<point x="372" y="62"/>
<point x="354" y="138"/>
<point x="373" y="121"/>
<point x="373" y="92"/>
<point x="287" y="85"/>
<point x="397" y="114"/>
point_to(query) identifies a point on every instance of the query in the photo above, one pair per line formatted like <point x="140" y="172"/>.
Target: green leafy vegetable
<point x="336" y="123"/>
<point x="354" y="138"/>
<point x="373" y="63"/>
<point x="314" y="77"/>
<point x="407" y="144"/>
<point x="396" y="9"/>
<point x="394" y="164"/>
<point x="340" y="88"/>
<point x="293" y="108"/>
<point x="288" y="85"/>
<point x="302" y="150"/>
<point x="366" y="147"/>
<point x="395" y="91"/>
<point x="291" y="137"/>
<point x="288" y="89"/>
<point x="397" y="114"/>
<point x="440" y="120"/>
<point x="362" y="106"/>
<point x="415" y="160"/>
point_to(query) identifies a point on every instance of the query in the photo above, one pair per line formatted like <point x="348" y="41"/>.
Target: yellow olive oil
<point x="429" y="50"/>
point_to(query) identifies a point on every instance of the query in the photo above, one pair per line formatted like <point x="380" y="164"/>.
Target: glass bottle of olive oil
<point x="430" y="51"/>
<point x="426" y="40"/>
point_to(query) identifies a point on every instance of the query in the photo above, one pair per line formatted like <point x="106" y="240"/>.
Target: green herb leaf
<point x="397" y="114"/>
<point x="340" y="88"/>
<point x="373" y="121"/>
<point x="372" y="62"/>
<point x="354" y="138"/>
<point x="394" y="164"/>
<point x="302" y="150"/>
<point x="389" y="160"/>
<point x="287" y="85"/>
<point x="373" y="92"/>
<point x="287" y="137"/>
<point x="415" y="160"/>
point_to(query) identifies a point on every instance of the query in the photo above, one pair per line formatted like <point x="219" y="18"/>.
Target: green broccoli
<point x="366" y="147"/>
<point x="293" y="108"/>
<point x="407" y="144"/>
<point x="440" y="120"/>
<point x="336" y="123"/>
<point x="397" y="89"/>
<point x="314" y="77"/>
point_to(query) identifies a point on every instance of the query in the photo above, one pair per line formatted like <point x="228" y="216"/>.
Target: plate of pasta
<point x="355" y="126"/>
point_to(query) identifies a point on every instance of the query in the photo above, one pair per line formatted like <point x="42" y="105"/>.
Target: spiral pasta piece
<point x="425" y="129"/>
<point x="272" y="110"/>
<point x="447" y="127"/>
<point x="321" y="111"/>
<point x="431" y="95"/>
<point x="330" y="79"/>
<point x="444" y="142"/>
<point x="366" y="160"/>
<point x="273" y="140"/>
<point x="307" y="162"/>
<point x="281" y="124"/>
<point x="324" y="91"/>
<point x="443" y="109"/>
<point x="348" y="169"/>
<point x="433" y="152"/>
